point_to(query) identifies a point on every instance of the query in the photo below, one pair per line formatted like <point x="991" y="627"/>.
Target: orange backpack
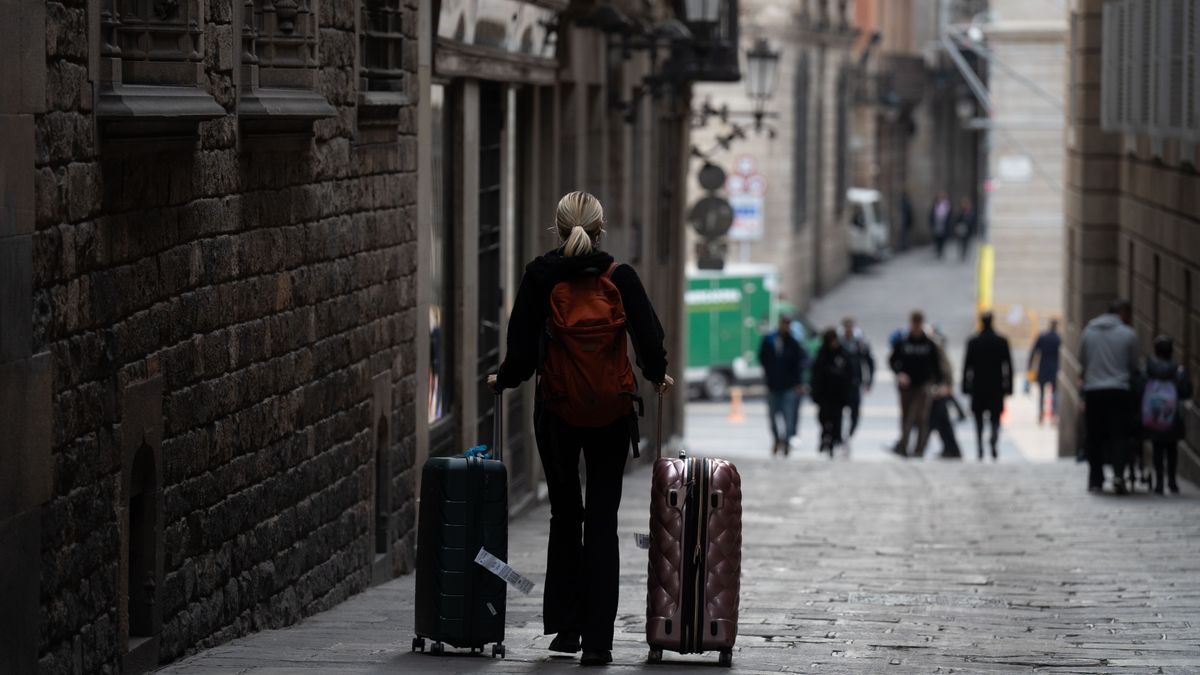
<point x="586" y="377"/>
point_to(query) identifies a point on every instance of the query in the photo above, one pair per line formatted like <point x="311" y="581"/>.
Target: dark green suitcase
<point x="464" y="507"/>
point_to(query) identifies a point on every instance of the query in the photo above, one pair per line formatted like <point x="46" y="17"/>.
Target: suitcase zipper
<point x="698" y="557"/>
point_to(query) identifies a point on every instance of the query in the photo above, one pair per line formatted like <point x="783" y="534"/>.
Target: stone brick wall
<point x="1132" y="208"/>
<point x="266" y="284"/>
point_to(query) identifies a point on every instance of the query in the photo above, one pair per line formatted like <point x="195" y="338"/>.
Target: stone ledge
<point x="150" y="112"/>
<point x="270" y="111"/>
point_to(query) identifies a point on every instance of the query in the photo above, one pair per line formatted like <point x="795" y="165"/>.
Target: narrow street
<point x="864" y="565"/>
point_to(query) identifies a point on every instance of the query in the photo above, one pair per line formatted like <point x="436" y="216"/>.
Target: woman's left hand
<point x="664" y="387"/>
<point x="493" y="382"/>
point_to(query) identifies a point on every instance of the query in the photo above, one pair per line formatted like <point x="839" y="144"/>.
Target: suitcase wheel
<point x="655" y="655"/>
<point x="498" y="650"/>
<point x="418" y="644"/>
<point x="437" y="648"/>
<point x="726" y="659"/>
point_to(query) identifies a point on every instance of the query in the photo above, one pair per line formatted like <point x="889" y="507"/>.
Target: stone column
<point x="25" y="377"/>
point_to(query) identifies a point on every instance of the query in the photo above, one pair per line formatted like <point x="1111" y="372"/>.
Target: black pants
<point x="964" y="244"/>
<point x="939" y="245"/>
<point x="854" y="403"/>
<point x="830" y="416"/>
<point x="1108" y="432"/>
<point x="583" y="558"/>
<point x="940" y="423"/>
<point x="1166" y="459"/>
<point x="993" y="420"/>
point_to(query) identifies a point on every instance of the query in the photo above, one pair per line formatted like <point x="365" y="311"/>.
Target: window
<point x="152" y="68"/>
<point x="382" y="43"/>
<point x="441" y="286"/>
<point x="279" y="67"/>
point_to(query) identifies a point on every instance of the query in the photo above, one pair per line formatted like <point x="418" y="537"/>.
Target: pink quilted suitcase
<point x="695" y="556"/>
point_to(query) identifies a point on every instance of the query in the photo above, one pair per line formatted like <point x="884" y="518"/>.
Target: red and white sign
<point x="746" y="188"/>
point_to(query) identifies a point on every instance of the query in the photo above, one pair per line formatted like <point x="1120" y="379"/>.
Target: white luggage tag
<point x="503" y="570"/>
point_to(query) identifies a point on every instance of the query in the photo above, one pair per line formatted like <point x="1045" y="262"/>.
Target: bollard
<point x="735" y="405"/>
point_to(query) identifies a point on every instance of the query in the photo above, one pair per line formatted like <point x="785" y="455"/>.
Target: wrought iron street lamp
<point x="762" y="74"/>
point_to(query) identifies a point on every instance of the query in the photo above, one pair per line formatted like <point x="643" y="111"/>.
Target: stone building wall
<point x="229" y="322"/>
<point x="1132" y="207"/>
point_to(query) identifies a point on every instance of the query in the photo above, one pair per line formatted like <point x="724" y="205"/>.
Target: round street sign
<point x="711" y="217"/>
<point x="711" y="177"/>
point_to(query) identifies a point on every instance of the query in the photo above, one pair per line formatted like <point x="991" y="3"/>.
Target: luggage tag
<point x="503" y="570"/>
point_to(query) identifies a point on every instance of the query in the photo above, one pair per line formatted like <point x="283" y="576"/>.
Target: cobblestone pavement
<point x="868" y="565"/>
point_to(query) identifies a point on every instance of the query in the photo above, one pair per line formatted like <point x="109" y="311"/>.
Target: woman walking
<point x="832" y="387"/>
<point x="569" y="322"/>
<point x="1166" y="386"/>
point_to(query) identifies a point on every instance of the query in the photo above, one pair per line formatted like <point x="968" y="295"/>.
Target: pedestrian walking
<point x="966" y="222"/>
<point x="1108" y="361"/>
<point x="862" y="368"/>
<point x="1166" y="385"/>
<point x="784" y="361"/>
<point x="1044" y="355"/>
<point x="915" y="361"/>
<point x="987" y="379"/>
<point x="939" y="222"/>
<point x="906" y="221"/>
<point x="940" y="421"/>
<point x="573" y="309"/>
<point x="832" y="387"/>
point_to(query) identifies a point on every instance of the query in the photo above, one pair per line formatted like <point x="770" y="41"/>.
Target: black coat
<point x="987" y="370"/>
<point x="785" y="369"/>
<point x="917" y="357"/>
<point x="833" y="382"/>
<point x="1045" y="350"/>
<point x="527" y="324"/>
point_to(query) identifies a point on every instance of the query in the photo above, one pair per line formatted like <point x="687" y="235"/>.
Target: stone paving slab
<point x="853" y="567"/>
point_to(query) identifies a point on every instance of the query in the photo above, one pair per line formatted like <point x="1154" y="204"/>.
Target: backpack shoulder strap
<point x="609" y="271"/>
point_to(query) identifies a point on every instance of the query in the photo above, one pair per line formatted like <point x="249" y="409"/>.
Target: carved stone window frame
<point x="279" y="63"/>
<point x="150" y="66"/>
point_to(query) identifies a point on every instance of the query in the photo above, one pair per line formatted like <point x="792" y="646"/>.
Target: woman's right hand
<point x="664" y="387"/>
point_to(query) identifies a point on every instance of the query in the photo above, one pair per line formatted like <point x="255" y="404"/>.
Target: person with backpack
<point x="572" y="313"/>
<point x="1108" y="362"/>
<point x="988" y="379"/>
<point x="1166" y="386"/>
<point x="833" y="385"/>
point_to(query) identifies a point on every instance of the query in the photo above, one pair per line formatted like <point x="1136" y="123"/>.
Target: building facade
<point x="1131" y="200"/>
<point x="255" y="261"/>
<point x="803" y="154"/>
<point x="1024" y="210"/>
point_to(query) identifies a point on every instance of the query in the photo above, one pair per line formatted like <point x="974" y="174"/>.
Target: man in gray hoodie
<point x="1108" y="359"/>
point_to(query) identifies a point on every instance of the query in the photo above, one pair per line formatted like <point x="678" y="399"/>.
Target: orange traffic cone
<point x="735" y="406"/>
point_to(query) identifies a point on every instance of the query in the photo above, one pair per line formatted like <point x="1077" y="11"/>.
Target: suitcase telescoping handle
<point x="658" y="421"/>
<point x="498" y="428"/>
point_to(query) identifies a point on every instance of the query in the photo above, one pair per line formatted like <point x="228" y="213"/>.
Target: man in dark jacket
<point x="987" y="379"/>
<point x="1167" y="386"/>
<point x="862" y="367"/>
<point x="966" y="222"/>
<point x="1045" y="353"/>
<point x="783" y="360"/>
<point x="914" y="359"/>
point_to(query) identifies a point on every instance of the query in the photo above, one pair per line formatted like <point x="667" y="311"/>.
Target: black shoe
<point x="1119" y="487"/>
<point x="567" y="643"/>
<point x="595" y="657"/>
<point x="1173" y="487"/>
<point x="899" y="451"/>
<point x="1092" y="487"/>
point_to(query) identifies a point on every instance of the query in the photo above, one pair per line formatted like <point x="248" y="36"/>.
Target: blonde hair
<point x="579" y="220"/>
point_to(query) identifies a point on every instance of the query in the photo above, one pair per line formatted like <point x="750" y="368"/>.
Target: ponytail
<point x="577" y="243"/>
<point x="579" y="220"/>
